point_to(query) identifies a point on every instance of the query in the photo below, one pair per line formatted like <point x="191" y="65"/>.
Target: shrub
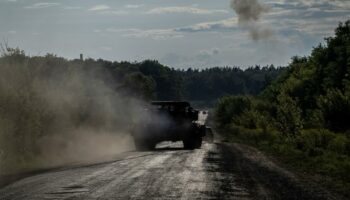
<point x="335" y="107"/>
<point x="248" y="119"/>
<point x="253" y="136"/>
<point x="314" y="141"/>
<point x="231" y="107"/>
<point x="289" y="120"/>
<point x="338" y="144"/>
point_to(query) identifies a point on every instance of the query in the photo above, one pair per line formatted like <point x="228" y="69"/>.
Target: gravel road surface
<point x="217" y="171"/>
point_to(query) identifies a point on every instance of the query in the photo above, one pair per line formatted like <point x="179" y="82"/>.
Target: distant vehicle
<point x="169" y="121"/>
<point x="209" y="135"/>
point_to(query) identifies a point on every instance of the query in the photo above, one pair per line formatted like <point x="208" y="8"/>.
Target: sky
<point x="178" y="33"/>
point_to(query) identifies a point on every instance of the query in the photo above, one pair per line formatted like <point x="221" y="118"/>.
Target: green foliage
<point x="140" y="85"/>
<point x="213" y="83"/>
<point x="203" y="87"/>
<point x="168" y="82"/>
<point x="231" y="107"/>
<point x="248" y="119"/>
<point x="315" y="89"/>
<point x="12" y="54"/>
<point x="313" y="140"/>
<point x="339" y="144"/>
<point x="335" y="107"/>
<point x="288" y="120"/>
<point x="303" y="116"/>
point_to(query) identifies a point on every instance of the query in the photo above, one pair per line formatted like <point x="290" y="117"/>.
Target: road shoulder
<point x="282" y="183"/>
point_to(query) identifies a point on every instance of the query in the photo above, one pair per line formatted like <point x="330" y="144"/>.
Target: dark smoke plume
<point x="249" y="12"/>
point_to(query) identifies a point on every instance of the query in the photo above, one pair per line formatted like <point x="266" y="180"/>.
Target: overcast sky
<point x="178" y="33"/>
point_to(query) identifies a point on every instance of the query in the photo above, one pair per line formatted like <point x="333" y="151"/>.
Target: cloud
<point x="323" y="27"/>
<point x="100" y="7"/>
<point x="72" y="8"/>
<point x="156" y="34"/>
<point x="189" y="10"/>
<point x="171" y="33"/>
<point x="226" y="24"/>
<point x="299" y="4"/>
<point x="42" y="5"/>
<point x="115" y="12"/>
<point x="309" y="18"/>
<point x="105" y="9"/>
<point x="133" y="6"/>
<point x="324" y="3"/>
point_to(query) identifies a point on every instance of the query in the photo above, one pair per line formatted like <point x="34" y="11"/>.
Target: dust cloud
<point x="54" y="112"/>
<point x="82" y="145"/>
<point x="92" y="120"/>
<point x="249" y="13"/>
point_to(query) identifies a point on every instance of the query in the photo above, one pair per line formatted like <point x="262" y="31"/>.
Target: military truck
<point x="169" y="121"/>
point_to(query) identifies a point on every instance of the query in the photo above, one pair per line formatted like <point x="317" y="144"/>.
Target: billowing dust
<point x="82" y="145"/>
<point x="54" y="112"/>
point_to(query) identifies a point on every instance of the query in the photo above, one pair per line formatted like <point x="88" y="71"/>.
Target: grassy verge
<point x="316" y="154"/>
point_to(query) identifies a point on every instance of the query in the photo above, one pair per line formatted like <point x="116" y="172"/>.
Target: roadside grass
<point x="318" y="155"/>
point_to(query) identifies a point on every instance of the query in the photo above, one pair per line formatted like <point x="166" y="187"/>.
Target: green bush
<point x="253" y="136"/>
<point x="313" y="140"/>
<point x="248" y="119"/>
<point x="289" y="120"/>
<point x="335" y="108"/>
<point x="339" y="144"/>
<point x="314" y="119"/>
<point x="231" y="107"/>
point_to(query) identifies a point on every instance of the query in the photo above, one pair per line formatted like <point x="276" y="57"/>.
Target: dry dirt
<point x="217" y="171"/>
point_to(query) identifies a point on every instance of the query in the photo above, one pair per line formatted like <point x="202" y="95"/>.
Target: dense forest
<point x="304" y="116"/>
<point x="158" y="82"/>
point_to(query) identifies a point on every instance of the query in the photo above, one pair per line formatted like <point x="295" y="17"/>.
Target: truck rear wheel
<point x="141" y="145"/>
<point x="198" y="142"/>
<point x="192" y="143"/>
<point x="188" y="144"/>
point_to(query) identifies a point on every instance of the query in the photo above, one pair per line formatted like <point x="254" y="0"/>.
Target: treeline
<point x="303" y="116"/>
<point x="150" y="80"/>
<point x="210" y="84"/>
<point x="158" y="82"/>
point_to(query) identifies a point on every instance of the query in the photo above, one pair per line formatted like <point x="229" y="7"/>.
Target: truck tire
<point x="142" y="145"/>
<point x="189" y="143"/>
<point x="192" y="143"/>
<point x="198" y="142"/>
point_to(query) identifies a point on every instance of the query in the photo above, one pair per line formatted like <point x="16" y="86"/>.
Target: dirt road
<point x="217" y="171"/>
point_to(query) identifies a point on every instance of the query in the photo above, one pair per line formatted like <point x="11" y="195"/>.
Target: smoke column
<point x="249" y="13"/>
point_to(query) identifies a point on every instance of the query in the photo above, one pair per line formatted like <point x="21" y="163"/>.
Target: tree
<point x="140" y="85"/>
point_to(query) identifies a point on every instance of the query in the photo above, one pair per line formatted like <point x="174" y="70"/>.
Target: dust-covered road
<point x="217" y="171"/>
